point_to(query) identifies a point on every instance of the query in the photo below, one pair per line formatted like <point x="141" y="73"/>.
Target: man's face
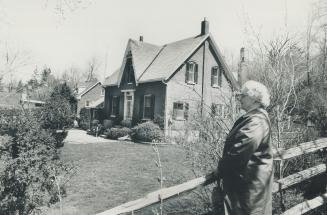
<point x="246" y="101"/>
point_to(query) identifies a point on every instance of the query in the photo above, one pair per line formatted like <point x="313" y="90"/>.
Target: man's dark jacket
<point x="246" y="167"/>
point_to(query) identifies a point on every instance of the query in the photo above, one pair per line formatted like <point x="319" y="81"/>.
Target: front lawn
<point x="110" y="174"/>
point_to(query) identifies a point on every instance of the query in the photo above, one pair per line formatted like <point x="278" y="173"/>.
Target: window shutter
<point x="186" y="108"/>
<point x="212" y="77"/>
<point x="186" y="72"/>
<point x="152" y="106"/>
<point x="117" y="106"/>
<point x="195" y="73"/>
<point x="141" y="107"/>
<point x="110" y="105"/>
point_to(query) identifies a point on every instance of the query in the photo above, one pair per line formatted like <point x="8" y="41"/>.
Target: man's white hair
<point x="257" y="91"/>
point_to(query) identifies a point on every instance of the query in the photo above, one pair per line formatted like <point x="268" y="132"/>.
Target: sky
<point x="99" y="29"/>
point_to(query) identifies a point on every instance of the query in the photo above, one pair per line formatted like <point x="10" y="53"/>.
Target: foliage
<point x="30" y="166"/>
<point x="159" y="120"/>
<point x="148" y="132"/>
<point x="96" y="128"/>
<point x="84" y="118"/>
<point x="126" y="123"/>
<point x="58" y="111"/>
<point x="115" y="133"/>
<point x="107" y="123"/>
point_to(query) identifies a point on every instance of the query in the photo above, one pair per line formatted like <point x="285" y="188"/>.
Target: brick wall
<point x="178" y="90"/>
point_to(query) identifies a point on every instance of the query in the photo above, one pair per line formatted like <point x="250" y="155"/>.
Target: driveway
<point x="77" y="136"/>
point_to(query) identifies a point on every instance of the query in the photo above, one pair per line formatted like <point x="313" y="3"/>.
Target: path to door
<point x="77" y="136"/>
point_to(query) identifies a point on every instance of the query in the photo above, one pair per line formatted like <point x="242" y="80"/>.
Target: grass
<point x="110" y="174"/>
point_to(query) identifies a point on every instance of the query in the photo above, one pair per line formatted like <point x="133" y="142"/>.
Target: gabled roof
<point x="88" y="88"/>
<point x="159" y="63"/>
<point x="170" y="58"/>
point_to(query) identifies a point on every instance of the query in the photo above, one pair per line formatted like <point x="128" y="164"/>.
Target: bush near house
<point x="115" y="133"/>
<point x="108" y="123"/>
<point x="29" y="165"/>
<point x="126" y="123"/>
<point x="96" y="128"/>
<point x="148" y="132"/>
<point x="84" y="119"/>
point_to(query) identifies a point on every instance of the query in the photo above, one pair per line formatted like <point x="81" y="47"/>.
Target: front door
<point x="128" y="104"/>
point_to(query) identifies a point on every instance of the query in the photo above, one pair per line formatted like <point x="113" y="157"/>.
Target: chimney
<point x="204" y="27"/>
<point x="242" y="68"/>
<point x="242" y="57"/>
<point x="141" y="38"/>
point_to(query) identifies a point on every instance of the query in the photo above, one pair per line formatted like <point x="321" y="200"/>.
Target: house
<point x="170" y="82"/>
<point x="90" y="95"/>
<point x="18" y="100"/>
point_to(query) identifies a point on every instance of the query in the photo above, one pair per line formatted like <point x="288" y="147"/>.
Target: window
<point x="103" y="91"/>
<point x="148" y="109"/>
<point x="180" y="111"/>
<point x="216" y="77"/>
<point x="129" y="71"/>
<point x="87" y="103"/>
<point x="191" y="75"/>
<point x="114" y="106"/>
<point x="130" y="74"/>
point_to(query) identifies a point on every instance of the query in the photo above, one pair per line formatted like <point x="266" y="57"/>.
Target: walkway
<point x="77" y="136"/>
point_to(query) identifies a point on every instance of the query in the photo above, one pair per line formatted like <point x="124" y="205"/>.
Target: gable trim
<point x="122" y="67"/>
<point x="219" y="55"/>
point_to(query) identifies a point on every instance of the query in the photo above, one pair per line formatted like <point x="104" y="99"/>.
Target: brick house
<point x="90" y="95"/>
<point x="170" y="81"/>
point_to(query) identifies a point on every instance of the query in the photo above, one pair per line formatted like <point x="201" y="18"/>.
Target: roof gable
<point x="142" y="55"/>
<point x="155" y="63"/>
<point x="90" y="87"/>
<point x="170" y="58"/>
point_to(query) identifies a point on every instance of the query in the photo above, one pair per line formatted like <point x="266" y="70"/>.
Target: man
<point x="246" y="167"/>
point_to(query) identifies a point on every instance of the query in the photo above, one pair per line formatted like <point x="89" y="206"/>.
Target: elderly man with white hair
<point x="246" y="168"/>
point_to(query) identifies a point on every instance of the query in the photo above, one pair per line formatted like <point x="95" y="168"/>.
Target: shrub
<point x="148" y="131"/>
<point x="84" y="118"/>
<point x="115" y="133"/>
<point x="126" y="123"/>
<point x="29" y="167"/>
<point x="108" y="123"/>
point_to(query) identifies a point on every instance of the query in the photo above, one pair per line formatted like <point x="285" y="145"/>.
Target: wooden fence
<point x="280" y="155"/>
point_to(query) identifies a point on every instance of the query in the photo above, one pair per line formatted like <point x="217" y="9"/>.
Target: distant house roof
<point x="10" y="100"/>
<point x="157" y="63"/>
<point x="88" y="87"/>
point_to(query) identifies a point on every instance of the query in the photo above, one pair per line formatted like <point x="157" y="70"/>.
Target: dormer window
<point x="191" y="75"/>
<point x="216" y="77"/>
<point x="129" y="54"/>
<point x="129" y="71"/>
<point x="87" y="103"/>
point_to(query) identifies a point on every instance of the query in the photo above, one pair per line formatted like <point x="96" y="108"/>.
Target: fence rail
<point x="279" y="185"/>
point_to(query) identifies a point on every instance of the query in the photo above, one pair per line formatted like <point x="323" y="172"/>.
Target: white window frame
<point x="175" y="115"/>
<point x="191" y="72"/>
<point x="149" y="96"/>
<point x="87" y="103"/>
<point x="128" y="93"/>
<point x="215" y="77"/>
